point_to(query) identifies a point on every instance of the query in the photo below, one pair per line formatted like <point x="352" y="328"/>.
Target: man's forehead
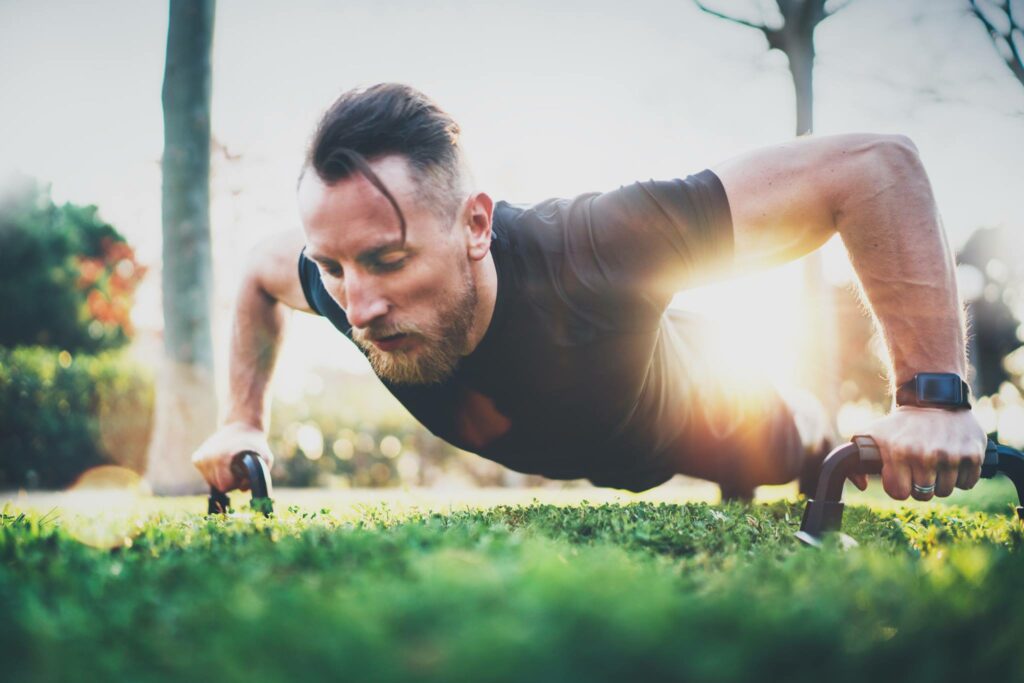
<point x="351" y="215"/>
<point x="393" y="171"/>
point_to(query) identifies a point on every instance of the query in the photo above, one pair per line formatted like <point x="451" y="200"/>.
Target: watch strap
<point x="935" y="390"/>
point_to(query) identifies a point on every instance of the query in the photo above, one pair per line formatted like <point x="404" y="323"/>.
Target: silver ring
<point x="924" y="490"/>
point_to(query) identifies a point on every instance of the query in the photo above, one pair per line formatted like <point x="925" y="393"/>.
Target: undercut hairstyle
<point x="366" y="124"/>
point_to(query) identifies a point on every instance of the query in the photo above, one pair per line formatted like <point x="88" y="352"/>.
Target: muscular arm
<point x="269" y="288"/>
<point x="790" y="199"/>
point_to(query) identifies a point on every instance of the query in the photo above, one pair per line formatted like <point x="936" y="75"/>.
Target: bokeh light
<point x="343" y="449"/>
<point x="390" y="446"/>
<point x="99" y="507"/>
<point x="310" y="440"/>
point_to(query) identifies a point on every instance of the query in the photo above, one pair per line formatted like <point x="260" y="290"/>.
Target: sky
<point x="554" y="99"/>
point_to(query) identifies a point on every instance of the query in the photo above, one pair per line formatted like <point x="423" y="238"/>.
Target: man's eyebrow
<point x="367" y="256"/>
<point x="373" y="253"/>
<point x="320" y="258"/>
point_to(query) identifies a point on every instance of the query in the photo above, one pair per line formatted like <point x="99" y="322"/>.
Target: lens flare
<point x="100" y="506"/>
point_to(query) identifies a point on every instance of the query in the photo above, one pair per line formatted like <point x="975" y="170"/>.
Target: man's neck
<point x="485" y="279"/>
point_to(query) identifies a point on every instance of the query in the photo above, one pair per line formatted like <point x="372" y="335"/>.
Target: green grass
<point x="589" y="592"/>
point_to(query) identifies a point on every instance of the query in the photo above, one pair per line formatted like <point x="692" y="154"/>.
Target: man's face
<point x="411" y="304"/>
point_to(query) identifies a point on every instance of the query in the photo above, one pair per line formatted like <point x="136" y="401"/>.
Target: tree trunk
<point x="821" y="344"/>
<point x="801" y="68"/>
<point x="186" y="405"/>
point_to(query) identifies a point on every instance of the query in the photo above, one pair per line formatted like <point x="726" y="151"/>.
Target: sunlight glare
<point x="755" y="322"/>
<point x="100" y="503"/>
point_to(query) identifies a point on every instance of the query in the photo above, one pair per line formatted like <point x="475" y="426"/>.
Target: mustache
<point x="377" y="332"/>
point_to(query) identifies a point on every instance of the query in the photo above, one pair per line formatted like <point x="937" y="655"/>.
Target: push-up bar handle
<point x="824" y="512"/>
<point x="251" y="472"/>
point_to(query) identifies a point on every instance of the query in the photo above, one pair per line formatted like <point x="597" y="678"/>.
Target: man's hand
<point x="213" y="457"/>
<point x="928" y="446"/>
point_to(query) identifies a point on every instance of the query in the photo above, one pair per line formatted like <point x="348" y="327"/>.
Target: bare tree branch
<point x="736" y="20"/>
<point x="1015" y="60"/>
<point x="835" y="10"/>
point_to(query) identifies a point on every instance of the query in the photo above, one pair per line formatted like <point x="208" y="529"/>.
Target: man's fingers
<point x="923" y="476"/>
<point x="968" y="473"/>
<point x="860" y="480"/>
<point x="896" y="477"/>
<point x="224" y="478"/>
<point x="216" y="471"/>
<point x="203" y="466"/>
<point x="947" y="472"/>
<point x="940" y="470"/>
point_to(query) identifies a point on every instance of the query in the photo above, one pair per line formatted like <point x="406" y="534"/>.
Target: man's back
<point x="580" y="373"/>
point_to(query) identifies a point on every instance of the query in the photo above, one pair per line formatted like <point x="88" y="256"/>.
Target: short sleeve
<point x="664" y="235"/>
<point x="623" y="254"/>
<point x="316" y="295"/>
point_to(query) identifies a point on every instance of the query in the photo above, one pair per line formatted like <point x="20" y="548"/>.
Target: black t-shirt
<point x="580" y="356"/>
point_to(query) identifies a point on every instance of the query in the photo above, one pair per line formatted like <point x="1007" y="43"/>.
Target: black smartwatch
<point x="935" y="390"/>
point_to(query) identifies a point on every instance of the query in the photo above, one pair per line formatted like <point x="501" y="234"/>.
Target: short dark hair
<point x="366" y="124"/>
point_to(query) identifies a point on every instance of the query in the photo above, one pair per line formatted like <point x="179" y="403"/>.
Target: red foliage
<point x="109" y="281"/>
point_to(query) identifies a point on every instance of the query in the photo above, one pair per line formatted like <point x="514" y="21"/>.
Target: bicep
<point x="783" y="197"/>
<point x="275" y="269"/>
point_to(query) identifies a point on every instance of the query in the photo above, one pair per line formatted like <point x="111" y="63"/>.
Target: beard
<point x="440" y="345"/>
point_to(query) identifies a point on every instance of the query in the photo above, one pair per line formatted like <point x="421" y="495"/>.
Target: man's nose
<point x="363" y="303"/>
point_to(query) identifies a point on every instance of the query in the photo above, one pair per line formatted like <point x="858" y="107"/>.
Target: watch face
<point x="939" y="388"/>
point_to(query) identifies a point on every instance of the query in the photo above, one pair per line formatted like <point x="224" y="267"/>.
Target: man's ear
<point x="476" y="221"/>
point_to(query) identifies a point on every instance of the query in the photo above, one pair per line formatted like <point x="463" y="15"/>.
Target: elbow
<point x="899" y="152"/>
<point x="895" y="159"/>
<point x="259" y="269"/>
<point x="875" y="154"/>
<point x="881" y="166"/>
<point x="898" y="168"/>
<point x="901" y="171"/>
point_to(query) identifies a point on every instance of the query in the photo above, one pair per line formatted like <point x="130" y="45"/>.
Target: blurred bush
<point x="61" y="414"/>
<point x="67" y="279"/>
<point x="348" y="431"/>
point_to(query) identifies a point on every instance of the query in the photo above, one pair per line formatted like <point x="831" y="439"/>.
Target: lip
<point x="391" y="343"/>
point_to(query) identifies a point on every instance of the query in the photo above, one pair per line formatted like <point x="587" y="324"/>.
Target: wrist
<point x="246" y="418"/>
<point x="904" y="373"/>
<point x="937" y="390"/>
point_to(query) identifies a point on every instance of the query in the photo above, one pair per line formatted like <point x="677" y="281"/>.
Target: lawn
<point x="633" y="589"/>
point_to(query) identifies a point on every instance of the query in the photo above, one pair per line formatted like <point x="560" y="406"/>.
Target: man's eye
<point x="386" y="266"/>
<point x="331" y="271"/>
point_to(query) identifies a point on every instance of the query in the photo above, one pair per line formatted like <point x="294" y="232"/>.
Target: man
<point x="539" y="337"/>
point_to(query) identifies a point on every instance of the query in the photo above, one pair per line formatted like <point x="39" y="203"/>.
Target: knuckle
<point x="896" y="456"/>
<point x="897" y="492"/>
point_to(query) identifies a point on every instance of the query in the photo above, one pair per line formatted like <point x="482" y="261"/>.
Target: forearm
<point x="892" y="231"/>
<point x="257" y="331"/>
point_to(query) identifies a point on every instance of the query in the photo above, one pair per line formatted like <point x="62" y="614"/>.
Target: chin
<point x="409" y="368"/>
